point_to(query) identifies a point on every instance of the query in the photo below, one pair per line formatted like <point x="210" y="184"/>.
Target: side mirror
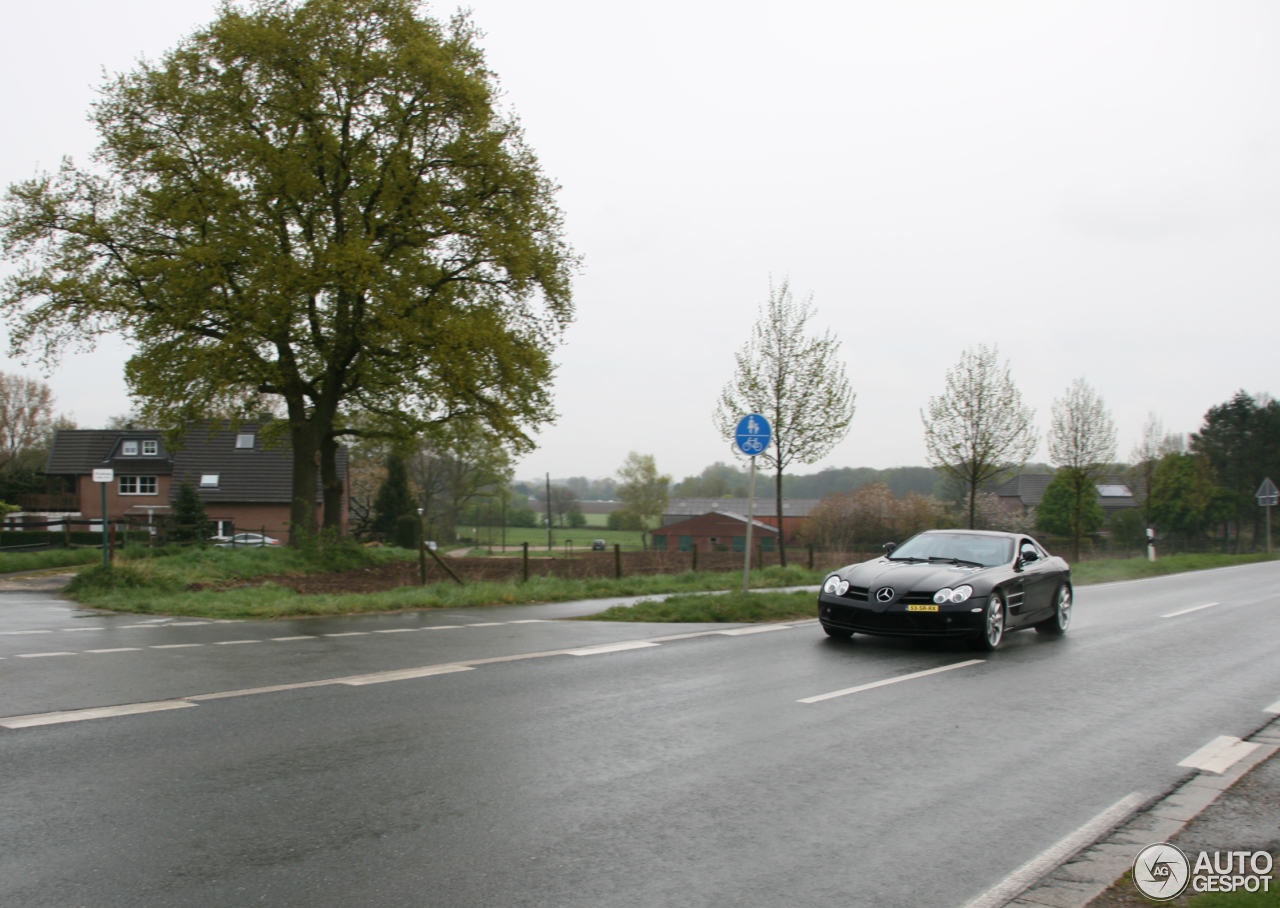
<point x="889" y="547"/>
<point x="1018" y="564"/>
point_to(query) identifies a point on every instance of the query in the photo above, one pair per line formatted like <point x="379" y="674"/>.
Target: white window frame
<point x="244" y="441"/>
<point x="138" y="485"/>
<point x="151" y="446"/>
<point x="210" y="480"/>
<point x="129" y="449"/>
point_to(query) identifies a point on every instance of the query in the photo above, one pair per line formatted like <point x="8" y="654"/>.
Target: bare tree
<point x="979" y="428"/>
<point x="794" y="380"/>
<point x="643" y="490"/>
<point x="27" y="420"/>
<point x="1153" y="443"/>
<point x="1082" y="444"/>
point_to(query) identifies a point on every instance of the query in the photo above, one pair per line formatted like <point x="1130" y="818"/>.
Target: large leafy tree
<point x="979" y="428"/>
<point x="644" y="493"/>
<point x="314" y="199"/>
<point x="1082" y="444"/>
<point x="1241" y="440"/>
<point x="1185" y="499"/>
<point x="1068" y="510"/>
<point x="796" y="381"/>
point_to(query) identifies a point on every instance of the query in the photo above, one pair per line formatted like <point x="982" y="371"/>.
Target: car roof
<point x="999" y="534"/>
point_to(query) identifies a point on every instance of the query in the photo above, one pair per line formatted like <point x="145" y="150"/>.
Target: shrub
<point x="407" y="529"/>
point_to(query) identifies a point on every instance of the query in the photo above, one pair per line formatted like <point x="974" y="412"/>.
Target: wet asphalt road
<point x="679" y="774"/>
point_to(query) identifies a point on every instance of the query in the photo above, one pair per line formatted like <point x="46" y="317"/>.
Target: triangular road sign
<point x="1267" y="493"/>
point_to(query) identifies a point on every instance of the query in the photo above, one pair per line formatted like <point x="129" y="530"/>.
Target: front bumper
<point x="950" y="620"/>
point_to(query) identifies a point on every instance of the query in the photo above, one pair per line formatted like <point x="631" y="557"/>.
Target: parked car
<point x="951" y="583"/>
<point x="240" y="540"/>
<point x="597" y="545"/>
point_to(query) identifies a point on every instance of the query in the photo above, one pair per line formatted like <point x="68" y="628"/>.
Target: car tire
<point x="992" y="631"/>
<point x="1061" y="620"/>
<point x="837" y="633"/>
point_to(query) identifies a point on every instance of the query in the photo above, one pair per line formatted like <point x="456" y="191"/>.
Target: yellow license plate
<point x="922" y="608"/>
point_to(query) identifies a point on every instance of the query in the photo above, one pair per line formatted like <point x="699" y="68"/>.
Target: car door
<point x="1038" y="576"/>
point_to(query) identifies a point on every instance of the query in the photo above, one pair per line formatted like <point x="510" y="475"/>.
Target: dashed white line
<point x="188" y="623"/>
<point x="873" y="684"/>
<point x="487" y="624"/>
<point x="118" y="649"/>
<point x="175" y="645"/>
<point x="1017" y="882"/>
<point x="609" y="648"/>
<point x="233" y="642"/>
<point x="73" y="630"/>
<point x="78" y="715"/>
<point x="16" y="633"/>
<point x="348" y="634"/>
<point x="39" y="655"/>
<point x="1220" y="754"/>
<point x="394" y="630"/>
<point x="404" y="674"/>
<point x="1187" y="611"/>
<point x="303" y="637"/>
<point x="755" y="630"/>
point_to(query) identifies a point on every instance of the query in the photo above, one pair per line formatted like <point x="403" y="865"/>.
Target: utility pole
<point x="548" y="512"/>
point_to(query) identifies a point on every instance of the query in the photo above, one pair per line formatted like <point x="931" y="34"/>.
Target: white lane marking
<point x="394" y="630"/>
<point x="486" y="624"/>
<point x="862" y="687"/>
<point x="38" y="655"/>
<point x="303" y="637"/>
<point x="530" y="621"/>
<point x="404" y="674"/>
<point x="738" y="632"/>
<point x="118" y="649"/>
<point x="1220" y="754"/>
<point x="443" y="627"/>
<point x="608" y="648"/>
<point x="127" y="626"/>
<point x="72" y="630"/>
<point x="188" y="623"/>
<point x="1273" y="708"/>
<point x="233" y="642"/>
<point x="1187" y="611"/>
<point x="348" y="634"/>
<point x="1031" y="872"/>
<point x="16" y="633"/>
<point x="176" y="645"/>
<point x="79" y="715"/>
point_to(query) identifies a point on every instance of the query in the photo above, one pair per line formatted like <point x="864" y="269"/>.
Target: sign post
<point x="1268" y="495"/>
<point x="753" y="437"/>
<point x="104" y="478"/>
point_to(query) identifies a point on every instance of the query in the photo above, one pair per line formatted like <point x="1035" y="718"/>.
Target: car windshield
<point x="983" y="550"/>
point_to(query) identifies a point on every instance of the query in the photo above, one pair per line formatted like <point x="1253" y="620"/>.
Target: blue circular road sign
<point x="754" y="434"/>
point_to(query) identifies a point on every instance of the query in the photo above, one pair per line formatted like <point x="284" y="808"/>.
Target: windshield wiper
<point x="938" y="558"/>
<point x="908" y="558"/>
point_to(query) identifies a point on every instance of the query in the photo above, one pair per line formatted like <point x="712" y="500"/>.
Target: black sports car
<point x="951" y="583"/>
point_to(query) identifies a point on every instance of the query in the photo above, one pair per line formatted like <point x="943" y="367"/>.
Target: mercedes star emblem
<point x="884" y="594"/>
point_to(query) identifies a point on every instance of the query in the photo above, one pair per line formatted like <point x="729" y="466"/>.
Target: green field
<point x="537" y="537"/>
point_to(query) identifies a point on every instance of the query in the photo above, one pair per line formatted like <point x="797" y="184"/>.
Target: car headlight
<point x="961" y="593"/>
<point x="942" y="595"/>
<point x="830" y="586"/>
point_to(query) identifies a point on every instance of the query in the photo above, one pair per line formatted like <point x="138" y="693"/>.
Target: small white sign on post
<point x="104" y="475"/>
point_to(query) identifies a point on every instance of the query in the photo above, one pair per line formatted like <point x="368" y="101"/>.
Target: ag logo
<point x="1161" y="872"/>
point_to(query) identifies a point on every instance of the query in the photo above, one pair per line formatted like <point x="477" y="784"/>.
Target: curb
<point x="1095" y="869"/>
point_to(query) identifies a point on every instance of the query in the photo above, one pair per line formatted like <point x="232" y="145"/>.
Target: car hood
<point x="905" y="576"/>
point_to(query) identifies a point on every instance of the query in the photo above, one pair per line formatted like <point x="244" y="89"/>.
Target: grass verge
<point x="737" y="607"/>
<point x="14" y="562"/>
<point x="161" y="586"/>
<point x="1109" y="571"/>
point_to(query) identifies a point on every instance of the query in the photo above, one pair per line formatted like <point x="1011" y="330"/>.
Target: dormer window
<point x="209" y="481"/>
<point x="129" y="449"/>
<point x="151" y="447"/>
<point x="244" y="442"/>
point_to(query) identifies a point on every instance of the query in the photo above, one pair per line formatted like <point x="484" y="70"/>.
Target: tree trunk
<point x="305" y="437"/>
<point x="782" y="533"/>
<point x="333" y="485"/>
<point x="973" y="502"/>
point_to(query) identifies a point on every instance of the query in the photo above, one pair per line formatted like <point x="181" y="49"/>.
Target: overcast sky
<point x="1094" y="187"/>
